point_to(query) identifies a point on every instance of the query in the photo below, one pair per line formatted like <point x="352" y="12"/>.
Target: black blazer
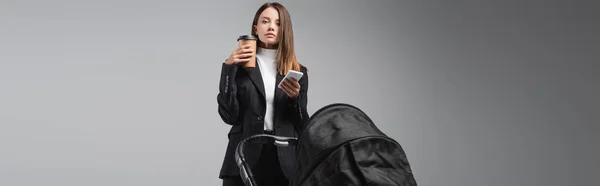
<point x="242" y="105"/>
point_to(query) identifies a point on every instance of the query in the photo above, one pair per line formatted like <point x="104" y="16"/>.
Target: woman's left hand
<point x="291" y="87"/>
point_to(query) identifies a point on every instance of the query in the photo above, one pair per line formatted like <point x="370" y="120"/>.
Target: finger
<point x="291" y="91"/>
<point x="238" y="50"/>
<point x="246" y="46"/>
<point x="293" y="88"/>
<point x="285" y="87"/>
<point x="243" y="55"/>
<point x="292" y="83"/>
<point x="285" y="83"/>
<point x="237" y="60"/>
<point x="295" y="84"/>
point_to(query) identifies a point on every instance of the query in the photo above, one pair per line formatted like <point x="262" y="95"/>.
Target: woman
<point x="251" y="102"/>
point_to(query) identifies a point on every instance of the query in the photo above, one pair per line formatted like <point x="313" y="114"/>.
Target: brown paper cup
<point x="249" y="39"/>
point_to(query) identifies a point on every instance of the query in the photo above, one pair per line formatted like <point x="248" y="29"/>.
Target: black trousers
<point x="267" y="171"/>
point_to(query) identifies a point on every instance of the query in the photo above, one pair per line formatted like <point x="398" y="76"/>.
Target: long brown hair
<point x="286" y="55"/>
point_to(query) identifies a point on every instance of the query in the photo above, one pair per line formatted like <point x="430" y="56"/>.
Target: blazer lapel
<point x="254" y="74"/>
<point x="280" y="96"/>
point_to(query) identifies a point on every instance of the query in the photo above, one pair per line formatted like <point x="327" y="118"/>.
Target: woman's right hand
<point x="241" y="55"/>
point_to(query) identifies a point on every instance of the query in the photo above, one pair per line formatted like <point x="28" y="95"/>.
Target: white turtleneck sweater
<point x="268" y="70"/>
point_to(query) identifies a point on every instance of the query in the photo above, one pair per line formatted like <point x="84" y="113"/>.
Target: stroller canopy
<point x="340" y="145"/>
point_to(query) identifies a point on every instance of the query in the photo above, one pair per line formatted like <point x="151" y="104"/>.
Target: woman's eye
<point x="264" y="21"/>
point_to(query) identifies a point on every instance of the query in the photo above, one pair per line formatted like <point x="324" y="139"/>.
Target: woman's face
<point x="267" y="27"/>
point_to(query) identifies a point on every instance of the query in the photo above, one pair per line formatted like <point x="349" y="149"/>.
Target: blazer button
<point x="259" y="118"/>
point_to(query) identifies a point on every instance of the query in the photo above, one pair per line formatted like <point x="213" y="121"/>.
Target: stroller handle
<point x="240" y="159"/>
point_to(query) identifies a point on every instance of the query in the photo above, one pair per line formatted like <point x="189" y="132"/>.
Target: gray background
<point x="123" y="92"/>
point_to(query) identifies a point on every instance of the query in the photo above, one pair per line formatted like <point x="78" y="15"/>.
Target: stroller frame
<point x="240" y="159"/>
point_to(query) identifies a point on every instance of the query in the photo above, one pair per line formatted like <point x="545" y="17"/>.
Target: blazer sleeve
<point x="296" y="107"/>
<point x="227" y="97"/>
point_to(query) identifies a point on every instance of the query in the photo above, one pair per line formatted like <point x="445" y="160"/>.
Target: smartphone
<point x="292" y="74"/>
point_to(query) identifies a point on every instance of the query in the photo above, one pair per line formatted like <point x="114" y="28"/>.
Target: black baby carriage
<point x="340" y="145"/>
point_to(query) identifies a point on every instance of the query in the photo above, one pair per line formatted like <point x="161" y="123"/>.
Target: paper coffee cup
<point x="249" y="39"/>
